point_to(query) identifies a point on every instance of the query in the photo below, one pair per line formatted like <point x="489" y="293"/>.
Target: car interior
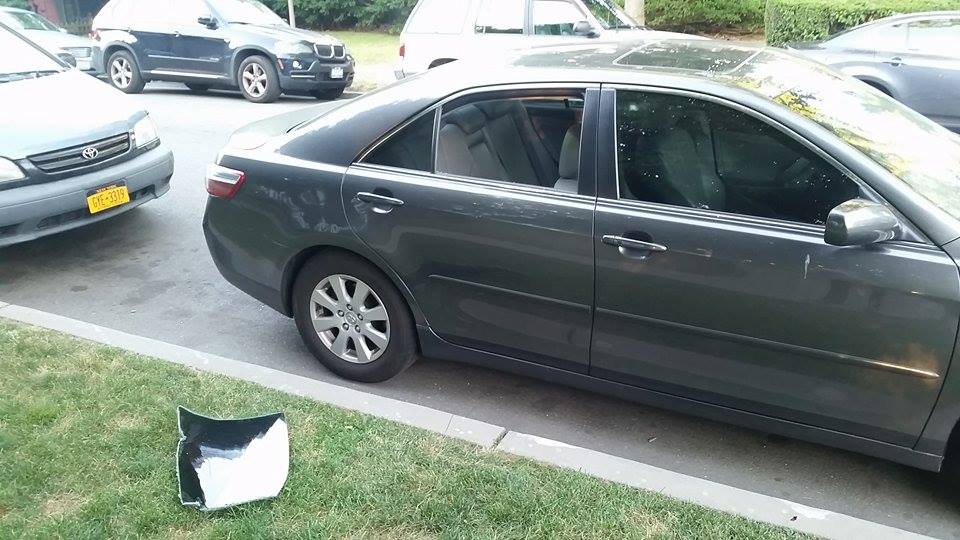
<point x="692" y="153"/>
<point x="532" y="141"/>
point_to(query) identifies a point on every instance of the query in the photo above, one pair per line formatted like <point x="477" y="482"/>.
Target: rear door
<point x="151" y="26"/>
<point x="931" y="68"/>
<point x="714" y="282"/>
<point x="200" y="51"/>
<point x="496" y="265"/>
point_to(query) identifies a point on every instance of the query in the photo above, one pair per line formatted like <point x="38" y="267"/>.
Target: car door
<point x="495" y="262"/>
<point x="150" y="25"/>
<point x="711" y="287"/>
<point x="931" y="69"/>
<point x="200" y="50"/>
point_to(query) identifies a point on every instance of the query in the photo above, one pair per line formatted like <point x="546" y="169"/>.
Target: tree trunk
<point x="635" y="9"/>
<point x="292" y="17"/>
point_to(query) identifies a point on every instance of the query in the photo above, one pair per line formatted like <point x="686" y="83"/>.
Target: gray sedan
<point x="85" y="52"/>
<point x="914" y="58"/>
<point x="729" y="231"/>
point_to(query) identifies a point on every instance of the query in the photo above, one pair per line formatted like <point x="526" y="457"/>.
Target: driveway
<point x="148" y="273"/>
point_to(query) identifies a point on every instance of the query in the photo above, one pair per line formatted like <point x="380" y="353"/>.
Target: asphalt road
<point x="148" y="273"/>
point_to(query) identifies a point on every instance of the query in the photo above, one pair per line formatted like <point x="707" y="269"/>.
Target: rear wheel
<point x="258" y="80"/>
<point x="124" y="73"/>
<point x="353" y="319"/>
<point x="329" y="94"/>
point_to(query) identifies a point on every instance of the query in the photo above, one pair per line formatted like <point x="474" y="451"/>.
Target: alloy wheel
<point x="350" y="319"/>
<point x="121" y="72"/>
<point x="254" y="80"/>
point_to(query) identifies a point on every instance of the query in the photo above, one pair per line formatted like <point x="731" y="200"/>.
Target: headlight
<point x="9" y="171"/>
<point x="145" y="132"/>
<point x="293" y="48"/>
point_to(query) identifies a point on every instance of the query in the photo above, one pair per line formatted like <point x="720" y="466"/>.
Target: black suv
<point x="218" y="43"/>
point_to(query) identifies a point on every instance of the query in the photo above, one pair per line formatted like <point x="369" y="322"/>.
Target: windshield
<point x="609" y="15"/>
<point x="20" y="60"/>
<point x="23" y="20"/>
<point x="246" y="12"/>
<point x="908" y="145"/>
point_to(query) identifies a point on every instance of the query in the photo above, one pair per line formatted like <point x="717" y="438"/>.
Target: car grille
<point x="79" y="52"/>
<point x="73" y="157"/>
<point x="330" y="51"/>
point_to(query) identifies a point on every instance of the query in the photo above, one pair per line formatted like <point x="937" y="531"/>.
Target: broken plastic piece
<point x="223" y="463"/>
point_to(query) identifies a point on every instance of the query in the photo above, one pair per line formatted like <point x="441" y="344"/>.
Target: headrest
<point x="570" y="153"/>
<point x="468" y="118"/>
<point x="497" y="108"/>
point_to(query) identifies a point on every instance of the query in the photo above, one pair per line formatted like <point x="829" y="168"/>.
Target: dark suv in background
<point x="218" y="43"/>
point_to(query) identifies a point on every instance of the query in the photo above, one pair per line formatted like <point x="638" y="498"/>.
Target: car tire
<point x="258" y="80"/>
<point x="329" y="94"/>
<point x="198" y="88"/>
<point x="123" y="72"/>
<point x="387" y="336"/>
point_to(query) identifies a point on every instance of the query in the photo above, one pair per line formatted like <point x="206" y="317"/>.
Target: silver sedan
<point x="915" y="58"/>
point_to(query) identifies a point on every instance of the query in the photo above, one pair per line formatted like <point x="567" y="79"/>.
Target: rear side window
<point x="439" y="17"/>
<point x="410" y="148"/>
<point x="501" y="17"/>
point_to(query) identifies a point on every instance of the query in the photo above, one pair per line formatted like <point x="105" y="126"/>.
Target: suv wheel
<point x="258" y="80"/>
<point x="353" y="319"/>
<point x="124" y="73"/>
<point x="329" y="94"/>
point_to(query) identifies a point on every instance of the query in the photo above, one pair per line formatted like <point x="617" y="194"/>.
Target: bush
<point x="353" y="14"/>
<point x="22" y="4"/>
<point x="811" y="20"/>
<point x="702" y="15"/>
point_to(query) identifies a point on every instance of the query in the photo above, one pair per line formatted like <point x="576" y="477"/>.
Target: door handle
<point x="375" y="198"/>
<point x="895" y="61"/>
<point x="176" y="34"/>
<point x="630" y="243"/>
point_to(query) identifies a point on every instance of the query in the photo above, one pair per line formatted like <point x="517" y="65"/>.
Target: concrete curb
<point x="721" y="497"/>
<point x="467" y="429"/>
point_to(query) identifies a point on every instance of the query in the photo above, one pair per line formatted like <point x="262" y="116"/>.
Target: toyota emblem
<point x="90" y="153"/>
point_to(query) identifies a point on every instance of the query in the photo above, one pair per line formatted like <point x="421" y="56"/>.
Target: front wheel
<point x="124" y="73"/>
<point x="353" y="319"/>
<point x="258" y="80"/>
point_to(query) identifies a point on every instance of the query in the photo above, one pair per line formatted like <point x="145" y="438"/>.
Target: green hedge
<point x="353" y="14"/>
<point x="22" y="4"/>
<point x="807" y="20"/>
<point x="702" y="15"/>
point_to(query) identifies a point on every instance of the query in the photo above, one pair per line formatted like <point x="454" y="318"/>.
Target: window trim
<point x="911" y="233"/>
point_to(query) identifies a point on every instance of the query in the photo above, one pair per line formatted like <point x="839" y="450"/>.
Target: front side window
<point x="186" y="12"/>
<point x="555" y="17"/>
<point x="609" y="15"/>
<point x="530" y="140"/>
<point x="693" y="153"/>
<point x="934" y="36"/>
<point x="247" y="12"/>
<point x="410" y="148"/>
<point x="501" y="17"/>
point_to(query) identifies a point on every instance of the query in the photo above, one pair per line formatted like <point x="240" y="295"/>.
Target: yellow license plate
<point x="107" y="198"/>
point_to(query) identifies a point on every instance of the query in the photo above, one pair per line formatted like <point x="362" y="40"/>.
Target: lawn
<point x="371" y="47"/>
<point x="88" y="433"/>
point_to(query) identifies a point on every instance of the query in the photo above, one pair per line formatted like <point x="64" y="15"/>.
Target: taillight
<point x="403" y="50"/>
<point x="223" y="182"/>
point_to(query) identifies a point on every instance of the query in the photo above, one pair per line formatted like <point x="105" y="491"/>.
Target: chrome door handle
<point x="630" y="243"/>
<point x="895" y="61"/>
<point x="176" y="34"/>
<point x="374" y="198"/>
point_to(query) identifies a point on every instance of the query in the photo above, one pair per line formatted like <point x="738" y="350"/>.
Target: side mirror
<point x="584" y="28"/>
<point x="859" y="222"/>
<point x="207" y="20"/>
<point x="68" y="58"/>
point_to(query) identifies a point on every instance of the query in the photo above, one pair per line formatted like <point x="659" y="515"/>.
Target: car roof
<point x="901" y="17"/>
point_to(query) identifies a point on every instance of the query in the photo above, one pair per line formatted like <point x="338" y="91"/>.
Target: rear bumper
<point x="37" y="210"/>
<point x="316" y="76"/>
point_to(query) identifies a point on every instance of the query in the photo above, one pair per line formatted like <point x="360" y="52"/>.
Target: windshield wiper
<point x="21" y="75"/>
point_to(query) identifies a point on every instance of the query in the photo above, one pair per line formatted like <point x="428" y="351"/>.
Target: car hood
<point x="54" y="41"/>
<point x="72" y="108"/>
<point x="257" y="134"/>
<point x="288" y="33"/>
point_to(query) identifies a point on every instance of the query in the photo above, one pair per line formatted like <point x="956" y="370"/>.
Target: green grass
<point x="371" y="47"/>
<point x="88" y="433"/>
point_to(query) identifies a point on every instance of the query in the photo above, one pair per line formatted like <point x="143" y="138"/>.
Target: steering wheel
<point x="798" y="176"/>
